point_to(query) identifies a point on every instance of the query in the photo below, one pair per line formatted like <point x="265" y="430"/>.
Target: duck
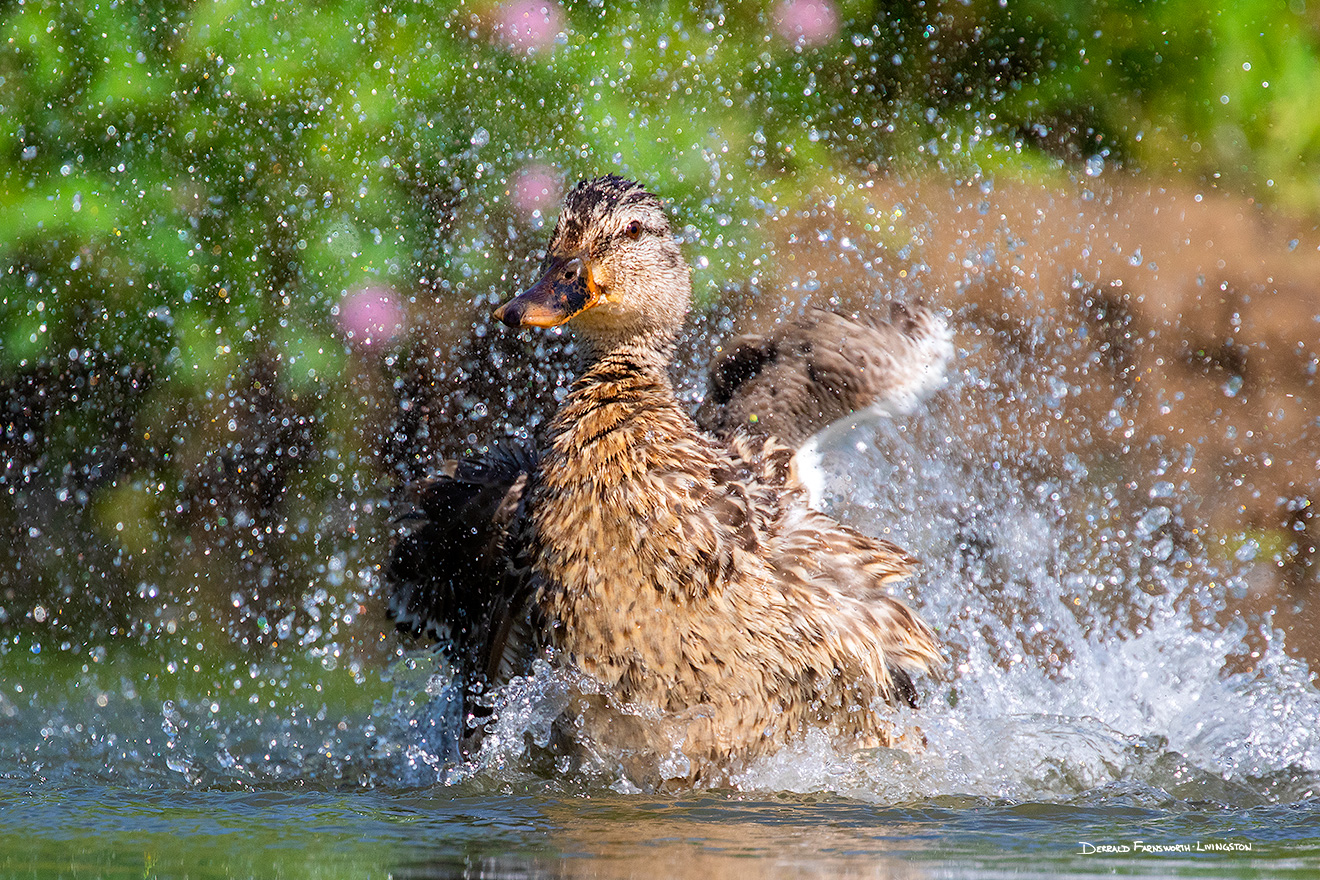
<point x="673" y="563"/>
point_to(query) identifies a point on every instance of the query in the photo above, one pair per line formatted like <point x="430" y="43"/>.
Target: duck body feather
<point x="679" y="572"/>
<point x="689" y="578"/>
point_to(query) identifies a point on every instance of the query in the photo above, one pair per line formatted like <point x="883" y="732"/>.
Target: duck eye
<point x="634" y="230"/>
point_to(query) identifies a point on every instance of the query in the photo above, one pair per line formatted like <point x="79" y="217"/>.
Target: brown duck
<point x="710" y="613"/>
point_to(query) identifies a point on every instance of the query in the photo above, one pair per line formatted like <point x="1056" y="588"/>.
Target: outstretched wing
<point x="452" y="572"/>
<point x="824" y="366"/>
<point x="854" y="570"/>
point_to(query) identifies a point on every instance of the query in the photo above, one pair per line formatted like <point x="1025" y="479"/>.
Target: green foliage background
<point x="187" y="190"/>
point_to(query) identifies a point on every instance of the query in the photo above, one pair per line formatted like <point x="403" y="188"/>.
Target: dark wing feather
<point x="821" y="367"/>
<point x="451" y="570"/>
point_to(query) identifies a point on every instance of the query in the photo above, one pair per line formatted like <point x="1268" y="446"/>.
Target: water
<point x="1077" y="712"/>
<point x="97" y="830"/>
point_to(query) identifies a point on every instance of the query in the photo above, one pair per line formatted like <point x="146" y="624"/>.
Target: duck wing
<point x="853" y="572"/>
<point x="823" y="564"/>
<point x="821" y="367"/>
<point x="452" y="570"/>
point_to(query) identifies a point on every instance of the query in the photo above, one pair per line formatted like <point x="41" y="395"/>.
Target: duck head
<point x="613" y="268"/>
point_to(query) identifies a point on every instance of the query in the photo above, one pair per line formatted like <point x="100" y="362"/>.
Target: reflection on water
<point x="112" y="831"/>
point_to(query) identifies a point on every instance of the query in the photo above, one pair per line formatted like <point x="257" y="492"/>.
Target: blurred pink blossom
<point x="535" y="190"/>
<point x="370" y="315"/>
<point x="806" y="22"/>
<point x="529" y="25"/>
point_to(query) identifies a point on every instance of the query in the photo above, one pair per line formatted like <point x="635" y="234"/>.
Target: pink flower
<point x="806" y="22"/>
<point x="529" y="25"/>
<point x="535" y="191"/>
<point x="370" y="315"/>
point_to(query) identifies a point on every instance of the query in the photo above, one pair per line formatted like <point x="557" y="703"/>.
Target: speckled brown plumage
<point x="681" y="579"/>
<point x="821" y="367"/>
<point x="715" y="615"/>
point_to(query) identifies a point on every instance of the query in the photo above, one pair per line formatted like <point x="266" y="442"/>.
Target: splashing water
<point x="227" y="266"/>
<point x="1090" y="654"/>
<point x="1065" y="678"/>
<point x="1050" y="694"/>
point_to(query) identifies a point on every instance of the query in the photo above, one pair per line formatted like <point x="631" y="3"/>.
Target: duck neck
<point x="616" y="385"/>
<point x="617" y="497"/>
<point x="646" y="352"/>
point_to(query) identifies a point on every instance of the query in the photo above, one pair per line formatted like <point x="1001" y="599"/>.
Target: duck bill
<point x="564" y="290"/>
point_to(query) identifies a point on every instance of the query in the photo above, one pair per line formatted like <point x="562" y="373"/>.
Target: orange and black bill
<point x="563" y="291"/>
